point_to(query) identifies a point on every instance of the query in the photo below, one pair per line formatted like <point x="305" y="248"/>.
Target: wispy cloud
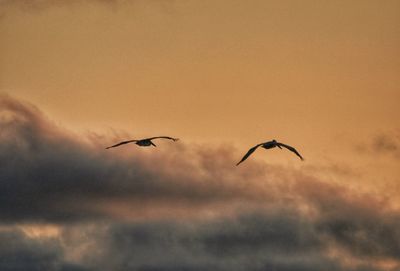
<point x="387" y="143"/>
<point x="384" y="143"/>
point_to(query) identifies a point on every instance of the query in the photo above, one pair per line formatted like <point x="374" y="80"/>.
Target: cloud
<point x="251" y="242"/>
<point x="50" y="174"/>
<point x="388" y="144"/>
<point x="257" y="240"/>
<point x="384" y="144"/>
<point x="279" y="240"/>
<point x="19" y="252"/>
<point x="176" y="207"/>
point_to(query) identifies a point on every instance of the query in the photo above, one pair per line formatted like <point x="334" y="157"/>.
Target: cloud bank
<point x="176" y="207"/>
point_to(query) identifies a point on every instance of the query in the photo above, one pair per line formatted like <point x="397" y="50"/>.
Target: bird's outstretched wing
<point x="290" y="148"/>
<point x="166" y="137"/>
<point x="249" y="153"/>
<point x="122" y="143"/>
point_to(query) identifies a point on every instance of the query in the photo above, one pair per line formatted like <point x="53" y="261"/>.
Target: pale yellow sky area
<point x="309" y="73"/>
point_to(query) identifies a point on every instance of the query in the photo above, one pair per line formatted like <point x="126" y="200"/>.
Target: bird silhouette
<point x="143" y="142"/>
<point x="270" y="145"/>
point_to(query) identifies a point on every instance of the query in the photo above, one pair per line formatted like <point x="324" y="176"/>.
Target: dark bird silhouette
<point x="270" y="145"/>
<point x="142" y="142"/>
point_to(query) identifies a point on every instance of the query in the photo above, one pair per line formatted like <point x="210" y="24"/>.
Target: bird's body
<point x="270" y="145"/>
<point x="146" y="142"/>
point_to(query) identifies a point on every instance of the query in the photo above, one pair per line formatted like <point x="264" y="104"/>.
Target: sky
<point x="77" y="76"/>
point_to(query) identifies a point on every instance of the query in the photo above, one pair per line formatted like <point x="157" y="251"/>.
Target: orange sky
<point x="222" y="75"/>
<point x="309" y="73"/>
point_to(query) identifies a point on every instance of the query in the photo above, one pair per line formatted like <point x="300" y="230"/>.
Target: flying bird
<point x="142" y="142"/>
<point x="270" y="145"/>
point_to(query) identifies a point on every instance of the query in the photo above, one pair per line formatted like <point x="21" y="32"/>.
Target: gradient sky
<point x="322" y="76"/>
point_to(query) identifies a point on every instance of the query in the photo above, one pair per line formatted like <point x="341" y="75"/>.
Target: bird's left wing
<point x="122" y="143"/>
<point x="290" y="148"/>
<point x="249" y="153"/>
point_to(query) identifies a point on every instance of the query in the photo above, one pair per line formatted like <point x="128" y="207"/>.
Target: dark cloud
<point x="19" y="252"/>
<point x="281" y="240"/>
<point x="277" y="240"/>
<point x="250" y="242"/>
<point x="49" y="174"/>
<point x="175" y="208"/>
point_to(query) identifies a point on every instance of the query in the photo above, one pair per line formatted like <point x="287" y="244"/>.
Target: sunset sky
<point x="77" y="76"/>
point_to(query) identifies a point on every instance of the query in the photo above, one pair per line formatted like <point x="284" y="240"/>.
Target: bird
<point x="270" y="145"/>
<point x="146" y="142"/>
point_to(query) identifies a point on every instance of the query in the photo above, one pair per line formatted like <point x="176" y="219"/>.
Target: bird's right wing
<point x="122" y="143"/>
<point x="290" y="148"/>
<point x="166" y="137"/>
<point x="249" y="153"/>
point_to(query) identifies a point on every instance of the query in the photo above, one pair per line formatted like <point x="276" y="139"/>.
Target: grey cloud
<point x="19" y="252"/>
<point x="263" y="217"/>
<point x="360" y="223"/>
<point x="249" y="242"/>
<point x="283" y="240"/>
<point x="49" y="174"/>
